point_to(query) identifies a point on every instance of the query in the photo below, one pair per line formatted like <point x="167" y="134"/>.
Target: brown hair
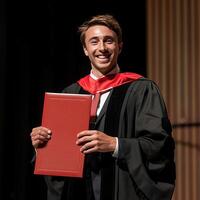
<point x="106" y="20"/>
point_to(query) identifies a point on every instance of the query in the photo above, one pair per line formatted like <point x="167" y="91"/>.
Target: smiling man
<point x="129" y="148"/>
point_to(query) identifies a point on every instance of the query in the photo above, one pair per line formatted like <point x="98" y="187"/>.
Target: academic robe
<point x="145" y="167"/>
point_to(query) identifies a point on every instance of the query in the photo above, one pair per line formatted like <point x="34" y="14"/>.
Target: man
<point x="129" y="149"/>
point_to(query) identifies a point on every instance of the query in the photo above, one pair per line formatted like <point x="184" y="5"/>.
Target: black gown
<point x="145" y="167"/>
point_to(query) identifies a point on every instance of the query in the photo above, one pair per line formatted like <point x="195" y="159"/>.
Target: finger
<point x="44" y="133"/>
<point x="89" y="147"/>
<point x="85" y="139"/>
<point x="90" y="150"/>
<point x="40" y="137"/>
<point x="83" y="133"/>
<point x="86" y="133"/>
<point x="41" y="130"/>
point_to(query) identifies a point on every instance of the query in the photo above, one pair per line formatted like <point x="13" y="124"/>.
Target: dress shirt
<point x="102" y="100"/>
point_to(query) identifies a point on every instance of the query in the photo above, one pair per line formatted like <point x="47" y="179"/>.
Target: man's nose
<point x="102" y="46"/>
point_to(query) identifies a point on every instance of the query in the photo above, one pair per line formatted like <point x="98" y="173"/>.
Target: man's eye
<point x="93" y="42"/>
<point x="109" y="41"/>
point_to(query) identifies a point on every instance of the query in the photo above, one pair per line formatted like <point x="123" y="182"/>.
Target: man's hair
<point x="105" y="20"/>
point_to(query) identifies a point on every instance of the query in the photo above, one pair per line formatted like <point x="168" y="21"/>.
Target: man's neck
<point x="96" y="76"/>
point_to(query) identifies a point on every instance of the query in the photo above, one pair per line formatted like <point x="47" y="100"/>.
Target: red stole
<point x="104" y="84"/>
<point x="107" y="82"/>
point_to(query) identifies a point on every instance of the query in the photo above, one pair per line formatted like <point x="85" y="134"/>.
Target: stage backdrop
<point x="174" y="63"/>
<point x="40" y="51"/>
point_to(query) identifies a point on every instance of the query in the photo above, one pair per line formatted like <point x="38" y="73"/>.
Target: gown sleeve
<point x="146" y="147"/>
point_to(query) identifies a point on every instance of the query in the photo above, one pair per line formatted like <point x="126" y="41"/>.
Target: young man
<point x="129" y="149"/>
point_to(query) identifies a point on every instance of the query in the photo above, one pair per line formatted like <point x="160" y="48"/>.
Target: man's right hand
<point x="39" y="136"/>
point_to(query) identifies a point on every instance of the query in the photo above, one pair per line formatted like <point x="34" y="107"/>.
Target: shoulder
<point x="144" y="84"/>
<point x="143" y="90"/>
<point x="73" y="88"/>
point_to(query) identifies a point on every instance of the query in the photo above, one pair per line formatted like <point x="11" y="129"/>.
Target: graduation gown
<point x="145" y="166"/>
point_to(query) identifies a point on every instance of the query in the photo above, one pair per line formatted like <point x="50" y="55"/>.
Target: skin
<point x="102" y="48"/>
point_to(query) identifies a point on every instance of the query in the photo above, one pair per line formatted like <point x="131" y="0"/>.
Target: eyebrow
<point x="105" y="37"/>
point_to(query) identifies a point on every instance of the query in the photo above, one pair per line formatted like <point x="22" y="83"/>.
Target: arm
<point x="146" y="148"/>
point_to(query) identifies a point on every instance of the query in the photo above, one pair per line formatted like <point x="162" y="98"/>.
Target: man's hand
<point x="95" y="141"/>
<point x="40" y="136"/>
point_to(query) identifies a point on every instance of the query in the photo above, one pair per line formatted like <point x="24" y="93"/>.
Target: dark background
<point x="40" y="51"/>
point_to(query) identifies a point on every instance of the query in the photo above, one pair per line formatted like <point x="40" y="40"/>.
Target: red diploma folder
<point x="65" y="115"/>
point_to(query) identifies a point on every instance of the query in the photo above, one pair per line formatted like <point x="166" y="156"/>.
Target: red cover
<point x="65" y="115"/>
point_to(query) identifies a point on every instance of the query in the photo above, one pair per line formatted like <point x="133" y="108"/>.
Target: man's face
<point x="102" y="48"/>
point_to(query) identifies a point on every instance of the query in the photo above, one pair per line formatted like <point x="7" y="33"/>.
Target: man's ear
<point x="85" y="50"/>
<point x="120" y="47"/>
